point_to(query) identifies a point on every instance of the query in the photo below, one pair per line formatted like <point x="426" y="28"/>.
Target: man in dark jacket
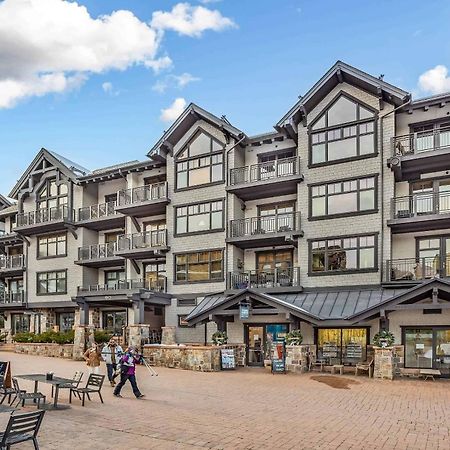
<point x="128" y="372"/>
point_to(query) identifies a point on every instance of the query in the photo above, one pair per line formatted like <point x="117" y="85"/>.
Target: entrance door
<point x="255" y="341"/>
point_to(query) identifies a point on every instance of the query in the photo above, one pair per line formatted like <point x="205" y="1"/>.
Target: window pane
<point x="200" y="145"/>
<point x="366" y="258"/>
<point x="365" y="113"/>
<point x="320" y="123"/>
<point x="366" y="144"/>
<point x="182" y="179"/>
<point x="344" y="110"/>
<point x="182" y="225"/>
<point x="318" y="153"/>
<point x="199" y="176"/>
<point x="345" y="148"/>
<point x="318" y="206"/>
<point x="216" y="220"/>
<point x="342" y="203"/>
<point x="199" y="222"/>
<point x="198" y="272"/>
<point x="318" y="261"/>
<point x="366" y="200"/>
<point x="217" y="173"/>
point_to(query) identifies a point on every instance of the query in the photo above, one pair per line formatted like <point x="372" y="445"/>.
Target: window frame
<point x="47" y="279"/>
<point x="46" y="185"/>
<point x="188" y="159"/>
<point x="176" y="233"/>
<point x="327" y="195"/>
<point x="209" y="280"/>
<point x="340" y="127"/>
<point x="47" y="236"/>
<point x="325" y="272"/>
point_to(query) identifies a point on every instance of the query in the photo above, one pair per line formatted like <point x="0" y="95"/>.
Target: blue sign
<point x="244" y="311"/>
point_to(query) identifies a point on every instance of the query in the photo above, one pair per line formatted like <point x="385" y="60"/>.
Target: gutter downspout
<point x="407" y="102"/>
<point x="226" y="205"/>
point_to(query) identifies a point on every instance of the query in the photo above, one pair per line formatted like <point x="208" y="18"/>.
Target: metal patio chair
<point x="94" y="385"/>
<point x="22" y="428"/>
<point x="22" y="396"/>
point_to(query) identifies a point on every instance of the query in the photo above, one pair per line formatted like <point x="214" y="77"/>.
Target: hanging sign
<point x="244" y="311"/>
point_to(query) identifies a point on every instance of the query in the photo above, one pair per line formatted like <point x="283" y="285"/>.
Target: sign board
<point x="5" y="373"/>
<point x="227" y="359"/>
<point x="278" y="366"/>
<point x="244" y="311"/>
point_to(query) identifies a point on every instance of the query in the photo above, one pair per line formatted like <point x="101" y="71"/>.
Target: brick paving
<point x="245" y="409"/>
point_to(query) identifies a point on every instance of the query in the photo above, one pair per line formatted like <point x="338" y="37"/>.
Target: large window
<point x="114" y="321"/>
<point x="343" y="197"/>
<point x="52" y="282"/>
<point x="52" y="195"/>
<point x="54" y="245"/>
<point x="343" y="254"/>
<point x="66" y="321"/>
<point x="200" y="162"/>
<point x="199" y="217"/>
<point x="113" y="278"/>
<point x="199" y="266"/>
<point x="345" y="130"/>
<point x="20" y="323"/>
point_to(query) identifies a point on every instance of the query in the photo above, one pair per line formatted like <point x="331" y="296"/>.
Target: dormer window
<point x="200" y="162"/>
<point x="345" y="130"/>
<point x="51" y="195"/>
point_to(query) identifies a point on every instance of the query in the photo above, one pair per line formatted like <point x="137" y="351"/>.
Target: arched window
<point x="200" y="162"/>
<point x="346" y="129"/>
<point x="51" y="195"/>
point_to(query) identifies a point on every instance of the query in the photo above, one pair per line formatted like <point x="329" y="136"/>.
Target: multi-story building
<point x="336" y="223"/>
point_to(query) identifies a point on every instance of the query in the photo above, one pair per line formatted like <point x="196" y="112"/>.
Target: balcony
<point x="123" y="286"/>
<point x="425" y="211"/>
<point x="144" y="200"/>
<point x="12" y="299"/>
<point x="43" y="220"/>
<point x="426" y="151"/>
<point x="13" y="265"/>
<point x="11" y="238"/>
<point x="146" y="245"/>
<point x="100" y="255"/>
<point x="278" y="229"/>
<point x="278" y="279"/>
<point x="100" y="217"/>
<point x="413" y="270"/>
<point x="271" y="178"/>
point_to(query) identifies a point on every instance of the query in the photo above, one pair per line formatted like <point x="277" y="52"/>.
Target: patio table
<point x="55" y="381"/>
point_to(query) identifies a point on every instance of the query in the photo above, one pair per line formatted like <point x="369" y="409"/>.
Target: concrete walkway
<point x="246" y="409"/>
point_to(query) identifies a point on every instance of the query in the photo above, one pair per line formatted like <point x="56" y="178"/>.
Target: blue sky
<point x="251" y="65"/>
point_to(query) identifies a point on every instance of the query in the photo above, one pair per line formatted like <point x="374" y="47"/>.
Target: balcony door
<point x="275" y="267"/>
<point x="430" y="197"/>
<point x="431" y="136"/>
<point x="273" y="165"/>
<point x="433" y="257"/>
<point x="276" y="218"/>
<point x="155" y="276"/>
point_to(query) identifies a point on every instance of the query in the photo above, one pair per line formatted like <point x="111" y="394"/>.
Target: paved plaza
<point x="246" y="409"/>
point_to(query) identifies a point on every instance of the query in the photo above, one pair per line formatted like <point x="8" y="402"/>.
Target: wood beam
<point x="136" y="224"/>
<point x="135" y="266"/>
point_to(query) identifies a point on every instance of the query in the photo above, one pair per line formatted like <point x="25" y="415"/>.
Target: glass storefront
<point x="427" y="348"/>
<point x="346" y="346"/>
<point x="262" y="340"/>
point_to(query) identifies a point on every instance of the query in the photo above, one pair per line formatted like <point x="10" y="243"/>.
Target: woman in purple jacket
<point x="128" y="372"/>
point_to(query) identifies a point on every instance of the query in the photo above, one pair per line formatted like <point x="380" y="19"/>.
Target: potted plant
<point x="294" y="337"/>
<point x="383" y="339"/>
<point x="219" y="338"/>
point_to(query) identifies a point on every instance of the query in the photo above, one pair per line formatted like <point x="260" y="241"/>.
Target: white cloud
<point x="174" y="110"/>
<point x="435" y="81"/>
<point x="177" y="81"/>
<point x="107" y="87"/>
<point x="190" y="20"/>
<point x="52" y="46"/>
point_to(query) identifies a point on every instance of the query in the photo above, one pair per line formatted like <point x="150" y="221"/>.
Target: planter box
<point x="52" y="350"/>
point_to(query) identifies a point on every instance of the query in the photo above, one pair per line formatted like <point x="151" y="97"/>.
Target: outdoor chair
<point x="76" y="382"/>
<point x="5" y="391"/>
<point x="22" y="428"/>
<point x="94" y="385"/>
<point x="22" y="396"/>
<point x="365" y="367"/>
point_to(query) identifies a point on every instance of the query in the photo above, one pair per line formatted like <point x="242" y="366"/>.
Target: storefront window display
<point x="342" y="345"/>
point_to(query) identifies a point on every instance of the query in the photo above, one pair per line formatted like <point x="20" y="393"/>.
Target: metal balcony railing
<point x="278" y="277"/>
<point x="12" y="297"/>
<point x="277" y="223"/>
<point x="97" y="251"/>
<point x="55" y="214"/>
<point x="158" y="285"/>
<point x="423" y="141"/>
<point x="12" y="262"/>
<point x="420" y="205"/>
<point x="265" y="171"/>
<point x="149" y="239"/>
<point x="414" y="269"/>
<point x="97" y="211"/>
<point x="142" y="194"/>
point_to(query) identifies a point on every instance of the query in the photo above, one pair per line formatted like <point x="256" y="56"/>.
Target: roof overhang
<point x="178" y="129"/>
<point x="341" y="73"/>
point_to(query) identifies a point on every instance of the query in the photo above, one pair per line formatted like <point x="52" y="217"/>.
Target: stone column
<point x="168" y="336"/>
<point x="79" y="342"/>
<point x="384" y="366"/>
<point x="138" y="334"/>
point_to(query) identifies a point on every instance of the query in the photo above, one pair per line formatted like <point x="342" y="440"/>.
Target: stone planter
<point x="52" y="350"/>
<point x="388" y="361"/>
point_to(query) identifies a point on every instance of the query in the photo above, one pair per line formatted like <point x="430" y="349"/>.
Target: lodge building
<point x="336" y="223"/>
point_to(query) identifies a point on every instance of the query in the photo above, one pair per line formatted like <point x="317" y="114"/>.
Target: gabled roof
<point x="185" y="121"/>
<point x="4" y="202"/>
<point x="67" y="167"/>
<point x="342" y="72"/>
<point x="10" y="210"/>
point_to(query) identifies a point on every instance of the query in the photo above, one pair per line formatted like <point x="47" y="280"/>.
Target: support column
<point x="168" y="336"/>
<point x="81" y="334"/>
<point x="138" y="334"/>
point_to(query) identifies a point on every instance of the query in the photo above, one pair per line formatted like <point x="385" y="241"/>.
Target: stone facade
<point x="52" y="350"/>
<point x="297" y="357"/>
<point x="388" y="361"/>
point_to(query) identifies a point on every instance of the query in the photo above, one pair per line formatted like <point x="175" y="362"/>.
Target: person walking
<point x="128" y="372"/>
<point x="93" y="356"/>
<point x="111" y="354"/>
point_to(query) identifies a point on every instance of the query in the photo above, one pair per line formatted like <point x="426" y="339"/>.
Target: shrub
<point x="46" y="337"/>
<point x="24" y="337"/>
<point x="102" y="336"/>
